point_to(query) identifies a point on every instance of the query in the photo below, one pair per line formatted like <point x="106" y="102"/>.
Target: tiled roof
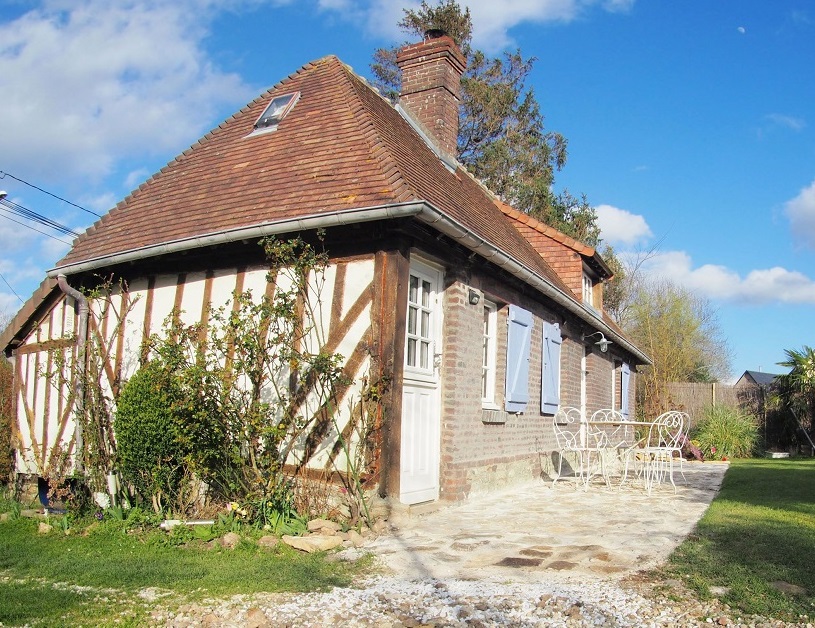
<point x="30" y="307"/>
<point x="761" y="378"/>
<point x="341" y="147"/>
<point x="535" y="231"/>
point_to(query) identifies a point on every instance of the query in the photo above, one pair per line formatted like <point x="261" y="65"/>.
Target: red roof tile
<point x="342" y="146"/>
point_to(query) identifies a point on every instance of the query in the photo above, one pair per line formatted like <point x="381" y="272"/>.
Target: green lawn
<point x="54" y="579"/>
<point x="760" y="530"/>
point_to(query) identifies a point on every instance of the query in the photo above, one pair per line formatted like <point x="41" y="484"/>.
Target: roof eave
<point x="421" y="210"/>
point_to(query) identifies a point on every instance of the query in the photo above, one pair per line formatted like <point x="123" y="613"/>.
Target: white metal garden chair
<point x="575" y="437"/>
<point x="664" y="442"/>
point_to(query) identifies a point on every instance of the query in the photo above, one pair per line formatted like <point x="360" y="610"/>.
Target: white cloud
<point x="716" y="282"/>
<point x="801" y="213"/>
<point x="618" y="226"/>
<point x="86" y="82"/>
<point x="491" y="20"/>
<point x="790" y="122"/>
<point x="136" y="177"/>
<point x="14" y="237"/>
<point x="9" y="304"/>
<point x="53" y="250"/>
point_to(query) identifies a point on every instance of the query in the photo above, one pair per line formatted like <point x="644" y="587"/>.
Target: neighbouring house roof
<point x="759" y="378"/>
<point x="341" y="154"/>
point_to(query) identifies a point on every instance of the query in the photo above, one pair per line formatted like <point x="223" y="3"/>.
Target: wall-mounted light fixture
<point x="603" y="343"/>
<point x="473" y="297"/>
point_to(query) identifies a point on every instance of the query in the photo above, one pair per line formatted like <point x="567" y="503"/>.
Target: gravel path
<point x="396" y="603"/>
<point x="533" y="556"/>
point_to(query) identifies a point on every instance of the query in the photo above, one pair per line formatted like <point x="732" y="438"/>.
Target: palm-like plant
<point x="796" y="389"/>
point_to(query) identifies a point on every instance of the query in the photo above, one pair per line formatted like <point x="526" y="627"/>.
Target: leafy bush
<point x="6" y="454"/>
<point x="148" y="433"/>
<point x="726" y="432"/>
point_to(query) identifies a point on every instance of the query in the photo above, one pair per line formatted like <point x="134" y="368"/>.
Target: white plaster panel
<point x="163" y="301"/>
<point x="193" y="298"/>
<point x="134" y="327"/>
<point x="359" y="276"/>
<point x="223" y="287"/>
<point x="255" y="282"/>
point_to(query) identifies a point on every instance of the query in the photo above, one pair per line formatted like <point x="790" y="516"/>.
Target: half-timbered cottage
<point x="483" y="320"/>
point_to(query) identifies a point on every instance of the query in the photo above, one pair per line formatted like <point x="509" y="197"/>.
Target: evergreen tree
<point x="502" y="138"/>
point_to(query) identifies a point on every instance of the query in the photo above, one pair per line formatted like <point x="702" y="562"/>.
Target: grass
<point x="57" y="579"/>
<point x="759" y="531"/>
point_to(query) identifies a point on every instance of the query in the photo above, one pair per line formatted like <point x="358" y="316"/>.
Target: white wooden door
<point x="421" y="413"/>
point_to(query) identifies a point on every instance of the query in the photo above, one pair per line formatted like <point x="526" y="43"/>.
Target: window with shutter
<point x="624" y="380"/>
<point x="519" y="343"/>
<point x="488" y="356"/>
<point x="550" y="368"/>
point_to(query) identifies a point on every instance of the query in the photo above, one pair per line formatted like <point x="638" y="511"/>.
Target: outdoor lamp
<point x="603" y="343"/>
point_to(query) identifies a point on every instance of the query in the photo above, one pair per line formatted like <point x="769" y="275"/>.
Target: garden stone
<point x="311" y="544"/>
<point x="256" y="618"/>
<point x="323" y="524"/>
<point x="230" y="540"/>
<point x="789" y="589"/>
<point x="45" y="528"/>
<point x="380" y="526"/>
<point x="4" y="516"/>
<point x="719" y="591"/>
<point x="356" y="538"/>
<point x="268" y="541"/>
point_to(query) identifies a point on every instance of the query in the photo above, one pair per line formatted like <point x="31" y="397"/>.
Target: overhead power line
<point x="38" y="230"/>
<point x="59" y="198"/>
<point x="36" y="218"/>
<point x="12" y="289"/>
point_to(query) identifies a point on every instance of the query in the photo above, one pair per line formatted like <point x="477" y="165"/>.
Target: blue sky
<point x="691" y="125"/>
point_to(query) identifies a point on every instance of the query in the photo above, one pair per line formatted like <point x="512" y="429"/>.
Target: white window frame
<point x="489" y="353"/>
<point x="432" y="308"/>
<point x="277" y="109"/>
<point x="588" y="290"/>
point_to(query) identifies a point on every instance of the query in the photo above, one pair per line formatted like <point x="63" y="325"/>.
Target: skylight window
<point x="276" y="111"/>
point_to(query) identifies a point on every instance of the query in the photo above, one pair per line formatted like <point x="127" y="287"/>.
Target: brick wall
<point x="478" y="456"/>
<point x="431" y="76"/>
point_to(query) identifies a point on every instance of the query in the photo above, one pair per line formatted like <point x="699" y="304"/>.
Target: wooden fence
<point x="693" y="398"/>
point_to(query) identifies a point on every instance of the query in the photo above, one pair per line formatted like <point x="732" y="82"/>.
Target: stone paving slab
<point x="562" y="532"/>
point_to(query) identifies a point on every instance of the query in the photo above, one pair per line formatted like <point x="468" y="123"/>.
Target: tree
<point x="681" y="334"/>
<point x="796" y="389"/>
<point x="502" y="137"/>
<point x="6" y="419"/>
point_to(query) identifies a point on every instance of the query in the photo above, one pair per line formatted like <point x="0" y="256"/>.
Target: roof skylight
<point x="277" y="109"/>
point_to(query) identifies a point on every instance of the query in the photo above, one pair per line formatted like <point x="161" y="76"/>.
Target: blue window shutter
<point x="550" y="368"/>
<point x="519" y="343"/>
<point x="626" y="376"/>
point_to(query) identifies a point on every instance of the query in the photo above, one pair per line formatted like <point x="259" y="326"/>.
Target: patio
<point x="558" y="533"/>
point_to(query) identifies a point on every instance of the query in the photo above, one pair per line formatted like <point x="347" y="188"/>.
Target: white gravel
<point x="394" y="602"/>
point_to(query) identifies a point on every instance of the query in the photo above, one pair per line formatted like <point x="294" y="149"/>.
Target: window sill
<point x="493" y="416"/>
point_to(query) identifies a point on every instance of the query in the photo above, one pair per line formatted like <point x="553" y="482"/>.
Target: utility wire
<point x="12" y="289"/>
<point x="37" y="218"/>
<point x="31" y="185"/>
<point x="38" y="231"/>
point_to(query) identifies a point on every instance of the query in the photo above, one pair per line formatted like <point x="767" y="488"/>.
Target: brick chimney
<point x="431" y="77"/>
